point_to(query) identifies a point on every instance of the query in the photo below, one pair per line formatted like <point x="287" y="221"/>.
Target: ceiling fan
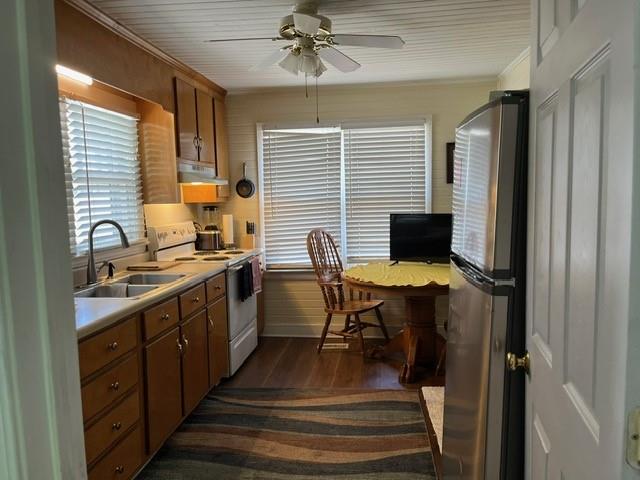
<point x="313" y="42"/>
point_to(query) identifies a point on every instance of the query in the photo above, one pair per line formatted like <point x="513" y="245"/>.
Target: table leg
<point x="417" y="340"/>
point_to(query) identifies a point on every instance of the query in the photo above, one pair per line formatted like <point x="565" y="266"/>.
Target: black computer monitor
<point x="420" y="237"/>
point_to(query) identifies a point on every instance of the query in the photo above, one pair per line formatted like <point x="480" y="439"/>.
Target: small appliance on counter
<point x="209" y="237"/>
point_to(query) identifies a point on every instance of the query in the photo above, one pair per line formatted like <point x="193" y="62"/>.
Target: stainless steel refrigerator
<point x="483" y="435"/>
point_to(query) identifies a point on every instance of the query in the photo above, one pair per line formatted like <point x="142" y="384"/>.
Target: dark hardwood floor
<point x="293" y="363"/>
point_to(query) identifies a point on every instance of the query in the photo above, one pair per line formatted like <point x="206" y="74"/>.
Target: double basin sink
<point x="129" y="286"/>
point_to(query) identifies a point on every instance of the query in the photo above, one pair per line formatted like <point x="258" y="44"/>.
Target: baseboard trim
<point x="315" y="330"/>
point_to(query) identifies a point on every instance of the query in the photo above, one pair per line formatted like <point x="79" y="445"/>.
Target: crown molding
<point x="119" y="29"/>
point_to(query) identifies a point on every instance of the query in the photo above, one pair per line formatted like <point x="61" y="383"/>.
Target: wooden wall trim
<point x="116" y="27"/>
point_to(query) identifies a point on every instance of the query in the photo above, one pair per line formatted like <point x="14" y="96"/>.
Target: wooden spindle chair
<point x="330" y="276"/>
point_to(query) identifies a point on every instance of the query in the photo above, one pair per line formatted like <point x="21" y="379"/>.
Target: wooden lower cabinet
<point x="218" y="337"/>
<point x="163" y="387"/>
<point x="142" y="376"/>
<point x="195" y="364"/>
<point x="121" y="462"/>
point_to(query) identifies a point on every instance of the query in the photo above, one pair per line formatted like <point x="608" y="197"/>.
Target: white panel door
<point x="580" y="249"/>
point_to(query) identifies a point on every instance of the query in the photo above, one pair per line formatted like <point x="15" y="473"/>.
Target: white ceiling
<point x="444" y="38"/>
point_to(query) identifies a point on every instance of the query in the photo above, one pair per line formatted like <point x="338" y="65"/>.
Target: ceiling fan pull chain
<point x="317" y="108"/>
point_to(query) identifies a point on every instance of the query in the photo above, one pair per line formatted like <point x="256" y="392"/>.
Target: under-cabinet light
<point x="74" y="75"/>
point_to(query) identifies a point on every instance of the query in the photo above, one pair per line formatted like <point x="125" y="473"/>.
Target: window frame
<point x="115" y="252"/>
<point x="367" y="123"/>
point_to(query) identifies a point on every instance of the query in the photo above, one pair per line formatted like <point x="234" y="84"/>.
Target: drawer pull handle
<point x="112" y="346"/>
<point x="218" y="287"/>
<point x="116" y="426"/>
<point x="120" y="469"/>
<point x="165" y="316"/>
<point x="195" y="299"/>
<point x="115" y="386"/>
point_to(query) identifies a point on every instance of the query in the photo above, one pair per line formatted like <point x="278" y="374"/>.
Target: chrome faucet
<point x="92" y="275"/>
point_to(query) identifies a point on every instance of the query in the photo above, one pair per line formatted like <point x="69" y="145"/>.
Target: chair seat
<point x="350" y="307"/>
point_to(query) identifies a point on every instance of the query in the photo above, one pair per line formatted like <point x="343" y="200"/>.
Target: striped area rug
<point x="284" y="434"/>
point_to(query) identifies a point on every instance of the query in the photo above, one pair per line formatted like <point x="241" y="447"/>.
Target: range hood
<point x="195" y="174"/>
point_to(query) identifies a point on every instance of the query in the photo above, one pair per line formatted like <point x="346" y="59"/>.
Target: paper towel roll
<point x="227" y="229"/>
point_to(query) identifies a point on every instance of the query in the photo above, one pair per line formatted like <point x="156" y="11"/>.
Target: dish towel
<point x="245" y="289"/>
<point x="256" y="271"/>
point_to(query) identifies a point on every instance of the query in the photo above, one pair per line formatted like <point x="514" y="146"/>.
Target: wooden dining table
<point x="419" y="284"/>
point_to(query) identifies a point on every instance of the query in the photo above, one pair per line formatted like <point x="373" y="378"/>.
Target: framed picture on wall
<point x="451" y="146"/>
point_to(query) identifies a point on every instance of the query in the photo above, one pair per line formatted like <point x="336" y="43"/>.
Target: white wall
<point x="516" y="75"/>
<point x="293" y="305"/>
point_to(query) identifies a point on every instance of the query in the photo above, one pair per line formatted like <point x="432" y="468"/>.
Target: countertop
<point x="93" y="314"/>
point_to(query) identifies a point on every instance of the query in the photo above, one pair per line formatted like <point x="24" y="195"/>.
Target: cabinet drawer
<point x="121" y="462"/>
<point x="160" y="318"/>
<point x="109" y="387"/>
<point x="192" y="300"/>
<point x="98" y="351"/>
<point x="216" y="287"/>
<point x="111" y="427"/>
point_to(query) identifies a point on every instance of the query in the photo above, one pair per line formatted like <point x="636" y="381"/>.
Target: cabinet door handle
<point x="112" y="346"/>
<point x="180" y="347"/>
<point x="186" y="344"/>
<point x="165" y="316"/>
<point x="218" y="287"/>
<point x="210" y="321"/>
<point x="116" y="426"/>
<point x="195" y="143"/>
<point x="115" y="386"/>
<point x="195" y="299"/>
<point x="120" y="469"/>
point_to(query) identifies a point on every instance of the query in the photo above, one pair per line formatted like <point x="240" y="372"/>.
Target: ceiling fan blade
<point x="377" y="41"/>
<point x="306" y="23"/>
<point x="338" y="59"/>
<point x="272" y="59"/>
<point x="243" y="39"/>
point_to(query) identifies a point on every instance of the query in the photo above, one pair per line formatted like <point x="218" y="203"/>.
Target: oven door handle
<point x="235" y="269"/>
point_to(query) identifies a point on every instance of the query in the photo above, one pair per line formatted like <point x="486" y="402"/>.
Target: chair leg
<point x="327" y="322"/>
<point x="360" y="333"/>
<point x="347" y="323"/>
<point x="383" y="327"/>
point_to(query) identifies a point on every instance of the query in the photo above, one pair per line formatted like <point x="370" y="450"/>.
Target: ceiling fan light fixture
<point x="308" y="61"/>
<point x="290" y="63"/>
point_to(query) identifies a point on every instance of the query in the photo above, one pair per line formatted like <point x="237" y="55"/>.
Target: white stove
<point x="177" y="243"/>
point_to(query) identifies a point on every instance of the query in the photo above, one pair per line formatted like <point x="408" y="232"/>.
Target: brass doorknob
<point x="514" y="362"/>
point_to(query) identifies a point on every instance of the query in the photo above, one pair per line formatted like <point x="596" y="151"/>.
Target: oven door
<point x="241" y="314"/>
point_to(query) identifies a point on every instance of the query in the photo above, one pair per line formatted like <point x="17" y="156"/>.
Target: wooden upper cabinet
<point x="163" y="382"/>
<point x="195" y="361"/>
<point x="206" y="135"/>
<point x="222" y="146"/>
<point x="156" y="131"/>
<point x="186" y="121"/>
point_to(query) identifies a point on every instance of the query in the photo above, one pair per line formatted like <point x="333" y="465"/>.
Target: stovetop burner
<point x="207" y="252"/>
<point x="234" y="252"/>
<point x="217" y="258"/>
<point x="184" y="259"/>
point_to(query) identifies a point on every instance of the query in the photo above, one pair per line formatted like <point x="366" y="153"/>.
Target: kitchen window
<point x="102" y="174"/>
<point x="346" y="179"/>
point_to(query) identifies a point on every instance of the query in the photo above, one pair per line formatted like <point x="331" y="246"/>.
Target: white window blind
<point x="102" y="174"/>
<point x="301" y="177"/>
<point x="385" y="172"/>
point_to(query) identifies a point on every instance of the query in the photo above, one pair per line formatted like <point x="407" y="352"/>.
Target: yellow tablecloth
<point x="403" y="274"/>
